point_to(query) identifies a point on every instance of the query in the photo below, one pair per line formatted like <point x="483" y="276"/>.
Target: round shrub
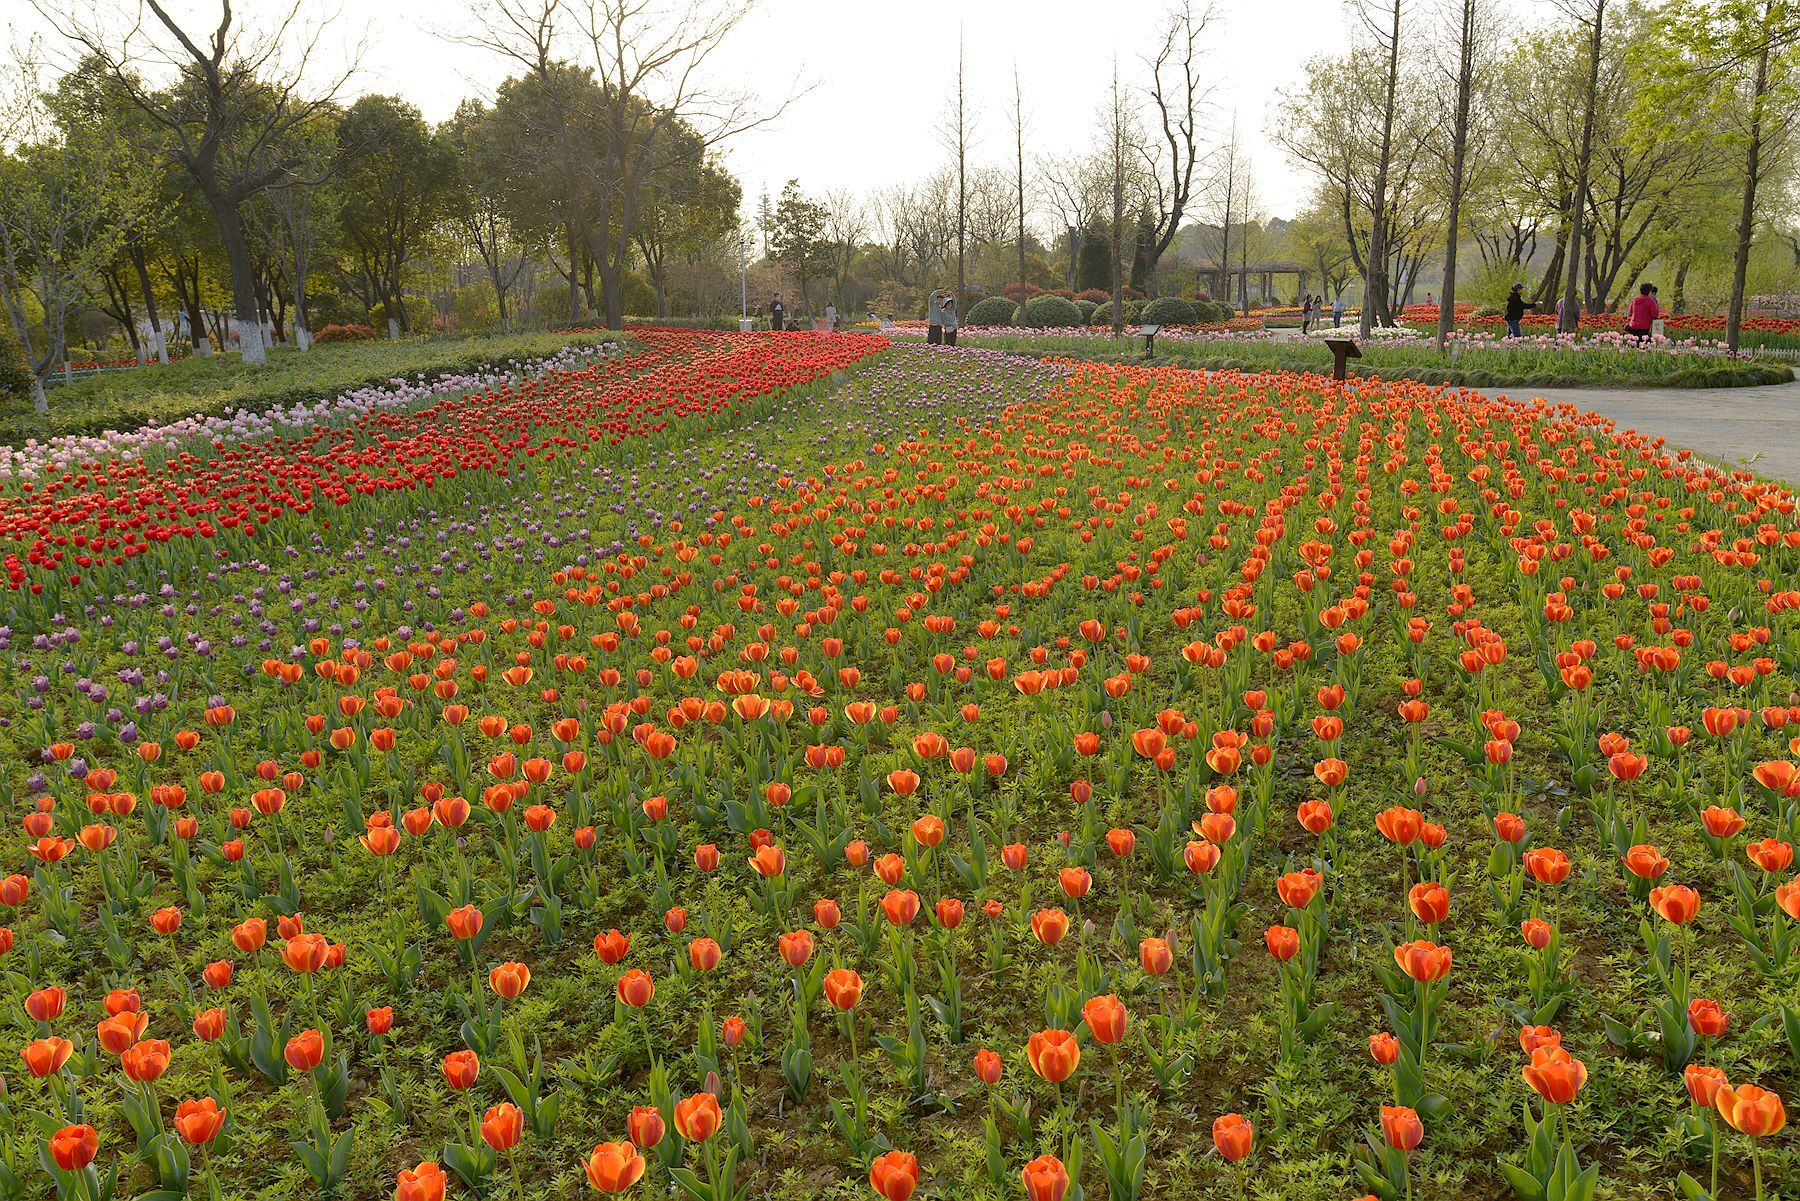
<point x="1169" y="310"/>
<point x="1087" y="308"/>
<point x="1102" y="314"/>
<point x="1051" y="312"/>
<point x="995" y="310"/>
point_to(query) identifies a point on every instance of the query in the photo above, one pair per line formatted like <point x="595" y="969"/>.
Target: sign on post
<point x="1149" y="332"/>
<point x="1342" y="350"/>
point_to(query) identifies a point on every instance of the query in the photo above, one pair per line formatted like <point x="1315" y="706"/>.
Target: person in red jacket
<point x="1642" y="312"/>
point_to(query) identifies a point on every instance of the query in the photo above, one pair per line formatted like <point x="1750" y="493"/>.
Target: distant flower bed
<point x="345" y="333"/>
<point x="1699" y="322"/>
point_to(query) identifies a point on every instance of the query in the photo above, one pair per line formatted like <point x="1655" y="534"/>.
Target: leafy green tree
<point x="226" y="121"/>
<point x="799" y="238"/>
<point x="1734" y="66"/>
<point x="66" y="198"/>
<point x="394" y="181"/>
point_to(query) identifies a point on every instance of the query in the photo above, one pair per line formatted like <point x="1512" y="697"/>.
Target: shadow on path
<point x="1753" y="428"/>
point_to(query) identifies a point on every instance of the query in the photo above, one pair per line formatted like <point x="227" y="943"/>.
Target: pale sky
<point x="879" y="75"/>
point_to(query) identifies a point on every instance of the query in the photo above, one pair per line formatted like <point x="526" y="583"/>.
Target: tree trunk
<point x="1570" y="322"/>
<point x="1375" y="269"/>
<point x="1678" y="304"/>
<point x="243" y="277"/>
<point x="1459" y="152"/>
<point x="1746" y="230"/>
<point x="140" y="262"/>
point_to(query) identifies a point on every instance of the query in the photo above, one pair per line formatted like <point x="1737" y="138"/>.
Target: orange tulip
<point x="1645" y="862"/>
<point x="1399" y="825"/>
<point x="1424" y="961"/>
<point x="635" y="988"/>
<point x="423" y="1183"/>
<point x="502" y="1126"/>
<point x="1547" y="865"/>
<point x="509" y="979"/>
<point x="145" y="1061"/>
<point x="461" y="1069"/>
<point x="1675" y="903"/>
<point x="1703" y="1083"/>
<point x="843" y="988"/>
<point x="900" y="907"/>
<point x="199" y="1121"/>
<point x="1049" y="926"/>
<point x="615" y="1167"/>
<point x="1554" y="1076"/>
<point x="1045" y="1179"/>
<point x="305" y="1051"/>
<point x="1053" y="1054"/>
<point x="698" y="1117"/>
<point x="1155" y="957"/>
<point x="74" y="1147"/>
<point x="1750" y="1110"/>
<point x="46" y="1056"/>
<point x="1283" y="942"/>
<point x="894" y="1175"/>
<point x="644" y="1126"/>
<point x="1234" y="1135"/>
<point x="1430" y="902"/>
<point x="118" y="1032"/>
<point x="1401" y="1127"/>
<point x="1105" y="1019"/>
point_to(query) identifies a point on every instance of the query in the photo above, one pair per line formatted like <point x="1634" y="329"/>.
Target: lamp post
<point x="743" y="284"/>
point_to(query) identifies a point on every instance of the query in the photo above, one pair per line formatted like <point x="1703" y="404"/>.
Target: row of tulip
<point x="941" y="757"/>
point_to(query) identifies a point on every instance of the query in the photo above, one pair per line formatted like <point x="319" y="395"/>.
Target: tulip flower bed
<point x="1475" y="359"/>
<point x="694" y="775"/>
<point x="194" y="387"/>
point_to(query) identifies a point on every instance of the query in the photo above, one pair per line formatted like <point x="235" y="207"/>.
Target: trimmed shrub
<point x="1087" y="308"/>
<point x="1094" y="296"/>
<point x="1103" y="312"/>
<point x="1051" y="312"/>
<point x="995" y="310"/>
<point x="1169" y="310"/>
<point x="345" y="333"/>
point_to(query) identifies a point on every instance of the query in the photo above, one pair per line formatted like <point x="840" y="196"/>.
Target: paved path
<point x="1757" y="428"/>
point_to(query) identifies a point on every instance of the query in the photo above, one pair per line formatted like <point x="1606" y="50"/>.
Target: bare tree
<point x="1382" y="17"/>
<point x="846" y="227"/>
<point x="1468" y="33"/>
<point x="1178" y="93"/>
<point x="1121" y="148"/>
<point x="1075" y="185"/>
<point x="231" y="116"/>
<point x="1227" y="187"/>
<point x="956" y="132"/>
<point x="1591" y="13"/>
<point x="1019" y="177"/>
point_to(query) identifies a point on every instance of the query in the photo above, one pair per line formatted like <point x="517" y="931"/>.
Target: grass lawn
<point x="1496" y="367"/>
<point x="120" y="400"/>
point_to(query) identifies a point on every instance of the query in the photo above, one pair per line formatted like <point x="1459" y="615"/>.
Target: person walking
<point x="934" y="318"/>
<point x="1515" y="311"/>
<point x="950" y="320"/>
<point x="777" y="312"/>
<point x="1642" y="312"/>
<point x="831" y="317"/>
<point x="1337" y="312"/>
<point x="1306" y="314"/>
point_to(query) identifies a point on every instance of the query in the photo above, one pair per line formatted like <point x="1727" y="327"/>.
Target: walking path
<point x="1753" y="428"/>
